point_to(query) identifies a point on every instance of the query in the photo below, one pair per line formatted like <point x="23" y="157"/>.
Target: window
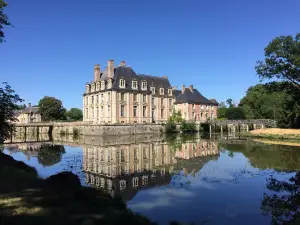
<point x="153" y="90"/>
<point x="102" y="85"/>
<point x="144" y="85"/>
<point x="144" y="98"/>
<point x="161" y="91"/>
<point x="122" y="97"/>
<point x="102" y="110"/>
<point x="134" y="84"/>
<point x="108" y="108"/>
<point x="122" y="83"/>
<point x="122" y="110"/>
<point x="108" y="96"/>
<point x="97" y="99"/>
<point x="92" y="99"/>
<point x="207" y="107"/>
<point x="135" y="111"/>
<point x="193" y="106"/>
<point x="144" y="111"/>
<point x="92" y="113"/>
<point x="170" y="92"/>
<point x="134" y="97"/>
<point x="97" y="113"/>
<point x="162" y="113"/>
<point x="86" y="100"/>
<point x="161" y="101"/>
<point x="152" y="101"/>
<point x="170" y="102"/>
<point x="102" y="97"/>
<point x="193" y="115"/>
<point x="170" y="111"/>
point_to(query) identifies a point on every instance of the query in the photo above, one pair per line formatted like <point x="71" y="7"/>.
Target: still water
<point x="187" y="179"/>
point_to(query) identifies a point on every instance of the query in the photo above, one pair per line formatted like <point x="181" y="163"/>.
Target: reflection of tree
<point x="50" y="154"/>
<point x="285" y="204"/>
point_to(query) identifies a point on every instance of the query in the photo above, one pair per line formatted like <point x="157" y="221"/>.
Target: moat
<point x="186" y="179"/>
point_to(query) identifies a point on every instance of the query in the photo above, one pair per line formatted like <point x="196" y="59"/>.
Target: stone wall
<point x="110" y="130"/>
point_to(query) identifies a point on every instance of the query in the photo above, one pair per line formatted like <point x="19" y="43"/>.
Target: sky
<point x="213" y="44"/>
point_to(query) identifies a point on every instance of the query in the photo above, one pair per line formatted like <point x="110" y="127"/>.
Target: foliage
<point x="222" y="112"/>
<point x="49" y="155"/>
<point x="51" y="109"/>
<point x="284" y="205"/>
<point x="282" y="60"/>
<point x="21" y="107"/>
<point x="8" y="104"/>
<point x="222" y="105"/>
<point x="171" y="127"/>
<point x="188" y="126"/>
<point x="236" y="113"/>
<point x="176" y="117"/>
<point x="275" y="100"/>
<point x="74" y="114"/>
<point x="230" y="103"/>
<point x="3" y="20"/>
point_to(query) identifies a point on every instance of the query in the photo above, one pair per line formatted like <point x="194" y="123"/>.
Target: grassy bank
<point x="274" y="133"/>
<point x="60" y="199"/>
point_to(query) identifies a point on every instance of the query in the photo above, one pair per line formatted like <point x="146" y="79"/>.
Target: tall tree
<point x="282" y="60"/>
<point x="3" y="20"/>
<point x="74" y="114"/>
<point x="51" y="108"/>
<point x="8" y="104"/>
<point x="230" y="103"/>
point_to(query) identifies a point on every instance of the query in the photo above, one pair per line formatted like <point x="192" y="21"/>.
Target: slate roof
<point x="32" y="109"/>
<point x="192" y="97"/>
<point x="128" y="74"/>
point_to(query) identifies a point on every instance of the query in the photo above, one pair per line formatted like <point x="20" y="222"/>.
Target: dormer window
<point x="102" y="85"/>
<point x="122" y="83"/>
<point x="153" y="90"/>
<point x="93" y="87"/>
<point x="109" y="83"/>
<point x="98" y="86"/>
<point x="134" y="84"/>
<point x="161" y="91"/>
<point x="170" y="92"/>
<point x="87" y="88"/>
<point x="144" y="85"/>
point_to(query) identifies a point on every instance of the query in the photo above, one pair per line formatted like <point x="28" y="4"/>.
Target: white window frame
<point x="162" y="91"/>
<point x="170" y="92"/>
<point x="144" y="85"/>
<point x="153" y="90"/>
<point x="134" y="84"/>
<point x="122" y="83"/>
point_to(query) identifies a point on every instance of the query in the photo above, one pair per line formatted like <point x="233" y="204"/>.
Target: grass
<point x="274" y="133"/>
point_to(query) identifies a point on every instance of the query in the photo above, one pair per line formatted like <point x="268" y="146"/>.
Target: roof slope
<point x="193" y="97"/>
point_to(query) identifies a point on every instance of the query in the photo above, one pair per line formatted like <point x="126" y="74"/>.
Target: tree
<point x="221" y="105"/>
<point x="275" y="100"/>
<point x="230" y="103"/>
<point x="51" y="108"/>
<point x="176" y="117"/>
<point x="8" y="104"/>
<point x="284" y="205"/>
<point x="74" y="114"/>
<point x="3" y="20"/>
<point x="49" y="155"/>
<point x="282" y="60"/>
<point x="236" y="113"/>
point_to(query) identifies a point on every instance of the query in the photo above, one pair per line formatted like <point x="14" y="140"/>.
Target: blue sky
<point x="213" y="44"/>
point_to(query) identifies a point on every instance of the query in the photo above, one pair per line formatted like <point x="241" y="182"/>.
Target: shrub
<point x="188" y="127"/>
<point x="171" y="127"/>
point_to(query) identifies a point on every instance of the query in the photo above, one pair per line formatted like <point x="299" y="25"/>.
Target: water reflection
<point x="230" y="181"/>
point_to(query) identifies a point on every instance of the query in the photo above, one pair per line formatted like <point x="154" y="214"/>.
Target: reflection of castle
<point x="124" y="169"/>
<point x="197" y="149"/>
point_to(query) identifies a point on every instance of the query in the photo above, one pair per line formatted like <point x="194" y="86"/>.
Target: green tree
<point x="222" y="113"/>
<point x="276" y="100"/>
<point x="3" y="20"/>
<point x="8" y="104"/>
<point x="74" y="114"/>
<point x="51" y="109"/>
<point x="282" y="60"/>
<point x="176" y="117"/>
<point x="230" y="103"/>
<point x="236" y="113"/>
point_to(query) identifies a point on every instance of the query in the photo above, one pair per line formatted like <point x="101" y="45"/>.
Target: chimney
<point x="165" y="76"/>
<point x="29" y="105"/>
<point x="110" y="68"/>
<point x="97" y="72"/>
<point x="174" y="88"/>
<point x="122" y="63"/>
<point x="191" y="88"/>
<point x="183" y="88"/>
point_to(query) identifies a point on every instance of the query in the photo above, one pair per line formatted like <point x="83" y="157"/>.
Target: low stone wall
<point x="110" y="130"/>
